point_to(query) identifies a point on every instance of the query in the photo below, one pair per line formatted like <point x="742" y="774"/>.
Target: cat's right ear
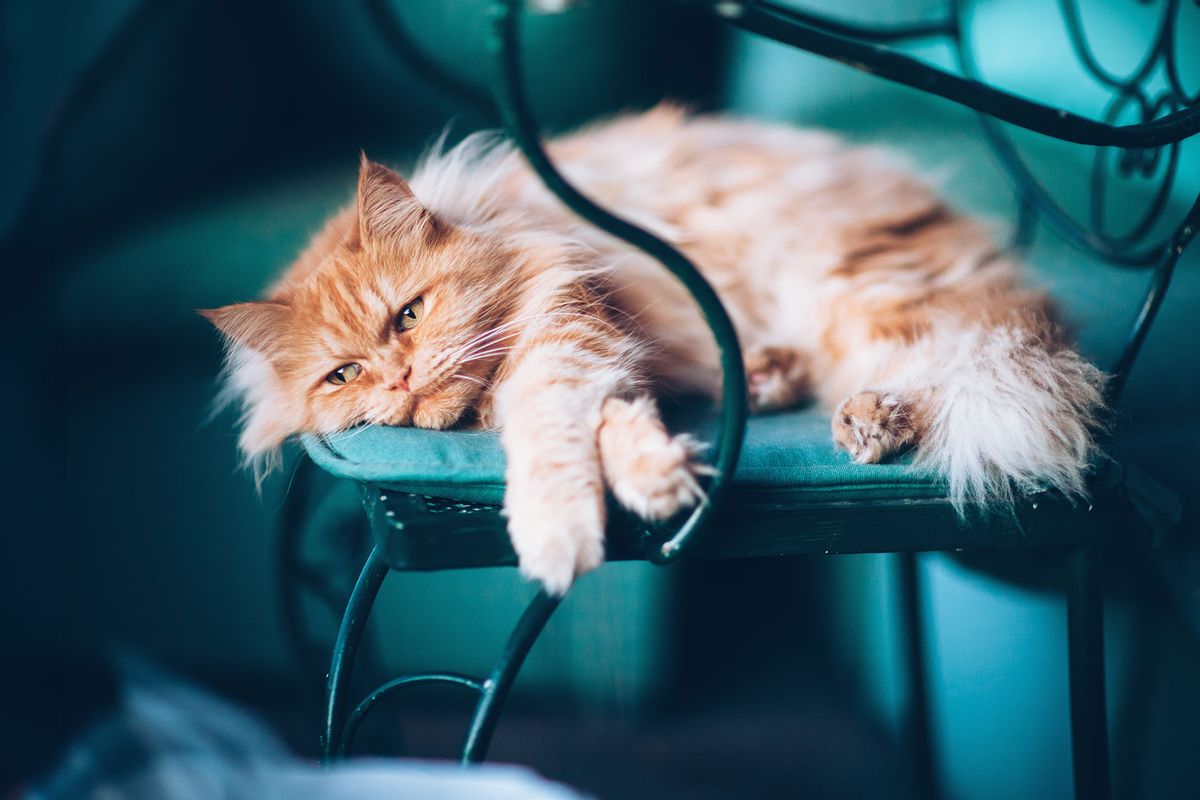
<point x="387" y="207"/>
<point x="257" y="325"/>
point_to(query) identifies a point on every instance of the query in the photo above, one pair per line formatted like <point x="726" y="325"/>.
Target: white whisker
<point x="485" y="354"/>
<point x="472" y="378"/>
<point x="358" y="430"/>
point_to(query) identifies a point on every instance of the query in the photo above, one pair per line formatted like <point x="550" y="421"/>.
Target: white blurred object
<point x="170" y="740"/>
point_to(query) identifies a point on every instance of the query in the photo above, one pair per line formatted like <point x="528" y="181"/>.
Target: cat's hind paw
<point x="871" y="426"/>
<point x="777" y="377"/>
<point x="650" y="472"/>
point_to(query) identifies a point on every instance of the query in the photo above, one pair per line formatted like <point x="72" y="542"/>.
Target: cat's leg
<point x="873" y="425"/>
<point x="778" y="377"/>
<point x="549" y="412"/>
<point x="650" y="472"/>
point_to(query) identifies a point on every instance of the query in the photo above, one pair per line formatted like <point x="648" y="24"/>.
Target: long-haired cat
<point x="470" y="296"/>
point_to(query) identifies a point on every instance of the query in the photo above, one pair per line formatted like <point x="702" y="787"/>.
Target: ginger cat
<point x="471" y="296"/>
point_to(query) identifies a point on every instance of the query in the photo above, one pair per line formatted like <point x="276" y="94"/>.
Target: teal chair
<point x="433" y="499"/>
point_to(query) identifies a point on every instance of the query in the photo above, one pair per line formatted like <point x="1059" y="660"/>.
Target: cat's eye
<point x="344" y="374"/>
<point x="410" y="315"/>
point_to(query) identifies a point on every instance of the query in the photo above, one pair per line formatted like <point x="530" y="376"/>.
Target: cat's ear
<point x="387" y="206"/>
<point x="256" y="325"/>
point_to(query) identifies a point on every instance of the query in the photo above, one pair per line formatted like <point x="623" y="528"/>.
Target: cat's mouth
<point x="437" y="405"/>
<point x="400" y="414"/>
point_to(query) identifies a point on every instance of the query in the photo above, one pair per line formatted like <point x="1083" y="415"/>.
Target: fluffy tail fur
<point x="1011" y="414"/>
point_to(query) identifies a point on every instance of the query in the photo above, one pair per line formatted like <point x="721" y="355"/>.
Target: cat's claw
<point x="660" y="480"/>
<point x="871" y="426"/>
<point x="650" y="472"/>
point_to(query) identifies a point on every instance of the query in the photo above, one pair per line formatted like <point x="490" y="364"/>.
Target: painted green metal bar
<point x="291" y="580"/>
<point x="1049" y="211"/>
<point x="1024" y="230"/>
<point x="1079" y="42"/>
<point x="345" y="649"/>
<point x="918" y="739"/>
<point x="494" y="690"/>
<point x="1031" y="193"/>
<point x="1163" y="257"/>
<point x="1085" y="651"/>
<point x="394" y="687"/>
<point x="514" y="105"/>
<point x="1152" y="301"/>
<point x="760" y="18"/>
<point x="923" y="29"/>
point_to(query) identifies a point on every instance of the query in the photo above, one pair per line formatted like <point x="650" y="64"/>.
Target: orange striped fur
<point x="850" y="282"/>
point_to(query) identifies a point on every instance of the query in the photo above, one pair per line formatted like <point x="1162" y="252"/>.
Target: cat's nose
<point x="401" y="382"/>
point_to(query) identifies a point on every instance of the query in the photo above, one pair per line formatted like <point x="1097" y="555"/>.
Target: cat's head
<point x="394" y="316"/>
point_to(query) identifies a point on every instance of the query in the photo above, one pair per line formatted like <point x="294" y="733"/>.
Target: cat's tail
<point x="1009" y="415"/>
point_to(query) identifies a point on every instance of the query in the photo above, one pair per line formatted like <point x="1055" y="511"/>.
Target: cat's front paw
<point x="777" y="377"/>
<point x="556" y="536"/>
<point x="871" y="426"/>
<point x="650" y="472"/>
<point x="657" y="479"/>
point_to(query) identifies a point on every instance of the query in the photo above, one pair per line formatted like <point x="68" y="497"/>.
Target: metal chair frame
<point x="1148" y="147"/>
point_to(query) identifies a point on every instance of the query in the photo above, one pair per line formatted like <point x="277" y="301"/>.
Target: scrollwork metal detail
<point x="1134" y="163"/>
<point x="1153" y="90"/>
<point x="1133" y="92"/>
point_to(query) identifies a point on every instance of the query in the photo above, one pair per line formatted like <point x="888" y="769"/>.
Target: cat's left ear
<point x="387" y="206"/>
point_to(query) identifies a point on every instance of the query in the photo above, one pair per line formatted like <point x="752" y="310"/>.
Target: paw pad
<point x="871" y="426"/>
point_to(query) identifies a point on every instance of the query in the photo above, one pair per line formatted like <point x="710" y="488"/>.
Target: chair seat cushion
<point x="786" y="457"/>
<point x="434" y="499"/>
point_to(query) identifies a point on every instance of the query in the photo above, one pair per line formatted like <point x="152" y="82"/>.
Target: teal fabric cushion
<point x="787" y="456"/>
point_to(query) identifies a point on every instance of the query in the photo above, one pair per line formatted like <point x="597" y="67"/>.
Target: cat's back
<point x="713" y="177"/>
<point x="724" y="189"/>
<point x="671" y="165"/>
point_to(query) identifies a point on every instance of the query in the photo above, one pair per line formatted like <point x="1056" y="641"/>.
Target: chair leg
<point x="504" y="672"/>
<point x="292" y="516"/>
<point x="917" y="729"/>
<point x="345" y="649"/>
<point x="1085" y="653"/>
<point x="303" y="579"/>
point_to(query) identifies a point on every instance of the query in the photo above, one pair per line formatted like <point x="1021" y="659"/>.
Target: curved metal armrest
<point x="846" y="43"/>
<point x="514" y="106"/>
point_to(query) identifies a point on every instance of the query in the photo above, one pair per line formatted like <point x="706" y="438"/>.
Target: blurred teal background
<point x="224" y="135"/>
